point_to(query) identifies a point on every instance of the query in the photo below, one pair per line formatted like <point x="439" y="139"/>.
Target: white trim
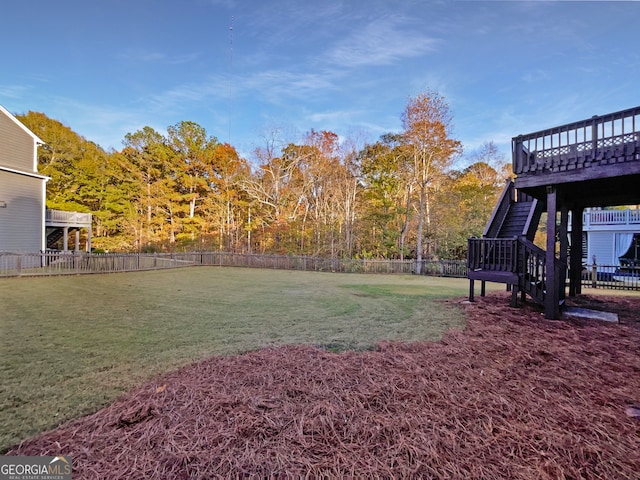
<point x="21" y="125"/>
<point x="36" y="140"/>
<point x="43" y="236"/>
<point x="28" y="174"/>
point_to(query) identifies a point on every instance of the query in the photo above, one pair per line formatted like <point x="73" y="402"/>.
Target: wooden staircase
<point x="53" y="237"/>
<point x="55" y="234"/>
<point x="594" y="162"/>
<point x="506" y="252"/>
<point x="516" y="218"/>
<point x="515" y="215"/>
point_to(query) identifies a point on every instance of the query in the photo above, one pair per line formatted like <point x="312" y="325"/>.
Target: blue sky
<point x="110" y="67"/>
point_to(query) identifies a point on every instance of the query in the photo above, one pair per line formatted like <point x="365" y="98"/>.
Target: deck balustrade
<point x="611" y="217"/>
<point x="606" y="139"/>
<point x="62" y="218"/>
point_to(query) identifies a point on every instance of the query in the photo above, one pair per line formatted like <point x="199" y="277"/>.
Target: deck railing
<point x="493" y="254"/>
<point x="533" y="266"/>
<point x="614" y="138"/>
<point x="63" y="218"/>
<point x="611" y="217"/>
<point x="529" y="261"/>
<point x="510" y="255"/>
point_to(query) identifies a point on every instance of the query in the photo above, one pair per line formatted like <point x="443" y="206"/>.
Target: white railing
<point x="60" y="217"/>
<point x="611" y="217"/>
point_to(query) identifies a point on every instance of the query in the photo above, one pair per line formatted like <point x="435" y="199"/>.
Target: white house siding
<point x="17" y="145"/>
<point x="602" y="228"/>
<point x="602" y="245"/>
<point x="21" y="213"/>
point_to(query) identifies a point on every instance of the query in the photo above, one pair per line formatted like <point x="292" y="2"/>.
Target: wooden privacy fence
<point x="72" y="263"/>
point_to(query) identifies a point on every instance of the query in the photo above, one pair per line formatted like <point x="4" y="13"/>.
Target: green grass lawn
<point x="70" y="345"/>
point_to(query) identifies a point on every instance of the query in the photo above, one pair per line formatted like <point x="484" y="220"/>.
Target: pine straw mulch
<point x="512" y="396"/>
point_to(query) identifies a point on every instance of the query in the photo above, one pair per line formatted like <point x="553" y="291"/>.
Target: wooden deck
<point x="596" y="161"/>
<point x="589" y="163"/>
<point x="60" y="223"/>
<point x="60" y="218"/>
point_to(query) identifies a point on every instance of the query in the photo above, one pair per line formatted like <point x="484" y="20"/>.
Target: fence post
<point x="594" y="273"/>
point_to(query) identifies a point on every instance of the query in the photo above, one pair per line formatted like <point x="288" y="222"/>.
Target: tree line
<point x="399" y="197"/>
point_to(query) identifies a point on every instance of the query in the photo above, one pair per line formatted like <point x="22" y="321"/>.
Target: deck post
<point x="564" y="249"/>
<point x="551" y="307"/>
<point x="514" y="296"/>
<point x="517" y="154"/>
<point x="65" y="239"/>
<point x="471" y="287"/>
<point x="575" y="260"/>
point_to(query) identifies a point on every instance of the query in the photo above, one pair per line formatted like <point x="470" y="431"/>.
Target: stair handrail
<point x="531" y="225"/>
<point x="529" y="245"/>
<point x="499" y="211"/>
<point x="532" y="269"/>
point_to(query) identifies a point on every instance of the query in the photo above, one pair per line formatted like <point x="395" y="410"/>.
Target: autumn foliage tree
<point x="427" y="130"/>
<point x="400" y="197"/>
<point x="467" y="199"/>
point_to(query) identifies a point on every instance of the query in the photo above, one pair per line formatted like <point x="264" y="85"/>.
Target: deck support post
<point x="551" y="303"/>
<point x="564" y="249"/>
<point x="65" y="239"/>
<point x="575" y="260"/>
<point x="514" y="296"/>
<point x="483" y="289"/>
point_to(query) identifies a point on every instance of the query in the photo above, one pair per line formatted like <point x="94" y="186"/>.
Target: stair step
<point x="515" y="220"/>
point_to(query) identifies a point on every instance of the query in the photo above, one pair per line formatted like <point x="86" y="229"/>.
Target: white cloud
<point x="186" y="95"/>
<point x="13" y="91"/>
<point x="341" y="116"/>
<point x="383" y="42"/>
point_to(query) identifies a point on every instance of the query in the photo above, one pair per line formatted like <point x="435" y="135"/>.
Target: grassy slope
<point x="70" y="345"/>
